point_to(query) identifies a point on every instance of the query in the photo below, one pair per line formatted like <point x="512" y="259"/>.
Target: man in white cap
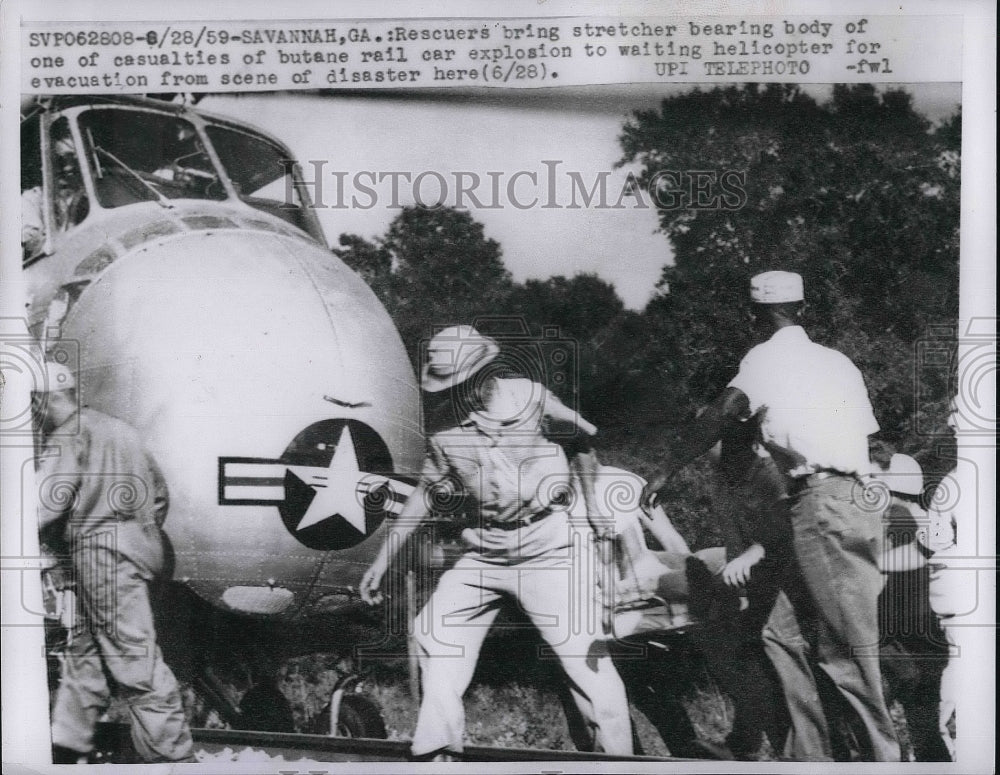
<point x="953" y="537"/>
<point x="913" y="646"/>
<point x="506" y="485"/>
<point x="815" y="418"/>
<point x="102" y="501"/>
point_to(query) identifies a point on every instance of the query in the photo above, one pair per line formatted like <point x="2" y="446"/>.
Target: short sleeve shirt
<point x="489" y="470"/>
<point x="812" y="404"/>
<point x="954" y="511"/>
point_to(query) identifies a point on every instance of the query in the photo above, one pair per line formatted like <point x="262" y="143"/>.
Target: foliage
<point x="581" y="312"/>
<point x="860" y="194"/>
<point x="433" y="268"/>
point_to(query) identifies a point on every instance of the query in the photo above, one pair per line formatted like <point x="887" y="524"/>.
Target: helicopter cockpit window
<point x="139" y="156"/>
<point x="261" y="173"/>
<point x="67" y="195"/>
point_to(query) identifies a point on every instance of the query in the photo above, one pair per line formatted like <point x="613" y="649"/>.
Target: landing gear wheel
<point x="359" y="717"/>
<point x="265" y="709"/>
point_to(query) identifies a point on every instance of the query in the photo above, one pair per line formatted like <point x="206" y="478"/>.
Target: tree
<point x="574" y="317"/>
<point x="859" y="194"/>
<point x="433" y="268"/>
<point x="582" y="305"/>
<point x="372" y="261"/>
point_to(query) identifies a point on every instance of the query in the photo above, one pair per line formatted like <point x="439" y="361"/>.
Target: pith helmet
<point x="453" y="355"/>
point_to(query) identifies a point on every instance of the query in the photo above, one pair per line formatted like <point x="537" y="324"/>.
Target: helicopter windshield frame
<point x="139" y="152"/>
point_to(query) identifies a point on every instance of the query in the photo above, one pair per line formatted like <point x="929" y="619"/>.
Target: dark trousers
<point x="728" y="641"/>
<point x="115" y="637"/>
<point x="913" y="653"/>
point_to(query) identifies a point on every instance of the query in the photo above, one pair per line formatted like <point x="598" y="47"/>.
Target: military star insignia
<point x="336" y="486"/>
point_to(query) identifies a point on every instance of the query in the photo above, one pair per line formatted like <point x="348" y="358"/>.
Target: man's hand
<point x="650" y="492"/>
<point x="737" y="571"/>
<point x="400" y="529"/>
<point x="369" y="588"/>
<point x="32" y="239"/>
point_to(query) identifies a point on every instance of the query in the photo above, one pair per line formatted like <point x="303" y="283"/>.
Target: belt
<point x="826" y="473"/>
<point x="514" y="524"/>
<point x="798" y="482"/>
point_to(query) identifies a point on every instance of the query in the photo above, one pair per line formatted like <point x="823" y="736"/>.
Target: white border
<point x="25" y="727"/>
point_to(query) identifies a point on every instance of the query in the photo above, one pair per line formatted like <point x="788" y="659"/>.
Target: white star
<point x="336" y="487"/>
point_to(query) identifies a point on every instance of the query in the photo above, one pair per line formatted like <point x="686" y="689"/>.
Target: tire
<point x="266" y="709"/>
<point x="359" y="717"/>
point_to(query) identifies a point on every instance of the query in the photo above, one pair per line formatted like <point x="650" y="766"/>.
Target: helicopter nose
<point x="268" y="382"/>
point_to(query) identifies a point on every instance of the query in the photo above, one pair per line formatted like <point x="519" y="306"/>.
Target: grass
<point x="520" y="712"/>
<point x="525" y="712"/>
<point x="501" y="712"/>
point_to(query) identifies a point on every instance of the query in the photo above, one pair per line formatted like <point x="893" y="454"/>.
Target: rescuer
<point x="102" y="501"/>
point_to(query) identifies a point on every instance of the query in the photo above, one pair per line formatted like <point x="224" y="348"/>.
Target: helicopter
<point x="177" y="265"/>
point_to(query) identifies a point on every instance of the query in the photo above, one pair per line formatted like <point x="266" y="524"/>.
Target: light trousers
<point x="549" y="570"/>
<point x="837" y="546"/>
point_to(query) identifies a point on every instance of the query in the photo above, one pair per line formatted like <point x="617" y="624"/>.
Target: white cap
<point x="777" y="288"/>
<point x="903" y="475"/>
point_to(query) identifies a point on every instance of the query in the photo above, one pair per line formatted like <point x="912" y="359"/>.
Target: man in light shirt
<point x="815" y="418"/>
<point x="102" y="501"/>
<point x="506" y="486"/>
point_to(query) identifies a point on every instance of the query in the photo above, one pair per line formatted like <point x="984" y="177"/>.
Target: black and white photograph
<point x="559" y="388"/>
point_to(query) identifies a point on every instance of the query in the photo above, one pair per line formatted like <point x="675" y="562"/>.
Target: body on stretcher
<point x="641" y="589"/>
<point x="689" y="592"/>
<point x="666" y="590"/>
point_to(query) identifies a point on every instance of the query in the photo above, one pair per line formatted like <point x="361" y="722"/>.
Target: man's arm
<point x="558" y="411"/>
<point x="663" y="530"/>
<point x="161" y="493"/>
<point x="58" y="480"/>
<point x="399" y="530"/>
<point x="905" y="557"/>
<point x="698" y="436"/>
